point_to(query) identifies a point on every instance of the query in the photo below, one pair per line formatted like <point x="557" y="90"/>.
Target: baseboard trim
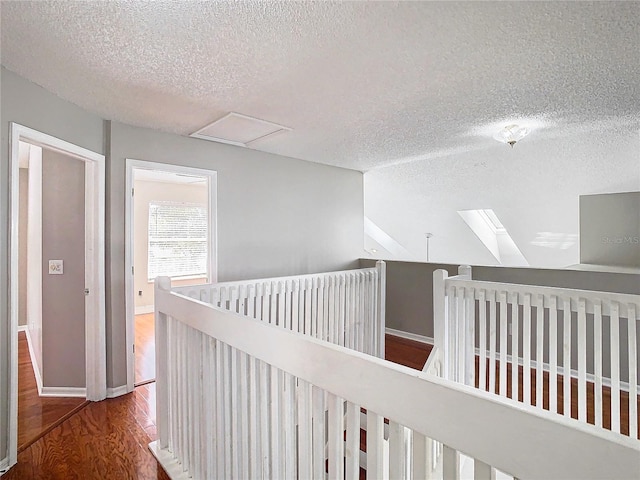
<point x="141" y="310"/>
<point x="4" y="465"/>
<point x="22" y="328"/>
<point x="34" y="364"/>
<point x="80" y="392"/>
<point x="117" y="391"/>
<point x="171" y="466"/>
<point x="409" y="335"/>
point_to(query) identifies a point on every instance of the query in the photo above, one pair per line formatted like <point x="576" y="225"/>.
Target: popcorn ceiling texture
<point x="409" y="92"/>
<point x="363" y="84"/>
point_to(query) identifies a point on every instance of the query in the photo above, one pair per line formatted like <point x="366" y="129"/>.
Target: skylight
<point x="491" y="218"/>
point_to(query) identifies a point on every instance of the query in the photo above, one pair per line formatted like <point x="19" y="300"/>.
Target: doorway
<point x="85" y="170"/>
<point x="170" y="232"/>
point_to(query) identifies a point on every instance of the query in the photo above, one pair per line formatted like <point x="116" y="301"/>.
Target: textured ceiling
<point x="363" y="84"/>
<point x="410" y="92"/>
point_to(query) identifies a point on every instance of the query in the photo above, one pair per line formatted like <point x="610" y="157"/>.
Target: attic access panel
<point x="237" y="129"/>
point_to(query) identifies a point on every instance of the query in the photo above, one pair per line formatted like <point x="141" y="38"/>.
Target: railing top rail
<point x="277" y="279"/>
<point x="510" y="288"/>
<point x="457" y="415"/>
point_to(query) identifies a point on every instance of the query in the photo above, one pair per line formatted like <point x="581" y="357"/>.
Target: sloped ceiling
<point x="410" y="92"/>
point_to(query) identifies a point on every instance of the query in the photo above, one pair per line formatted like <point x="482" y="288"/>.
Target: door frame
<point x="212" y="253"/>
<point x="95" y="317"/>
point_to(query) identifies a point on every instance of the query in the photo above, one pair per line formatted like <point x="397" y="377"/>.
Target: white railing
<point x="241" y="398"/>
<point x="545" y="339"/>
<point x="346" y="308"/>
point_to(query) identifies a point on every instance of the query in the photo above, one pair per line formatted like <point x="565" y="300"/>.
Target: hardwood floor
<point x="109" y="439"/>
<point x="37" y="415"/>
<point x="145" y="348"/>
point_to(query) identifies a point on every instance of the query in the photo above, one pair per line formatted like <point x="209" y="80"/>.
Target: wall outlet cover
<point x="56" y="267"/>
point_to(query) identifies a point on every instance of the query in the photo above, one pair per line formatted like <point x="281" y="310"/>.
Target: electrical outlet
<point x="56" y="267"/>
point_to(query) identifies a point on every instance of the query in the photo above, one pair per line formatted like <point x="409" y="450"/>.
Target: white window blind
<point x="177" y="240"/>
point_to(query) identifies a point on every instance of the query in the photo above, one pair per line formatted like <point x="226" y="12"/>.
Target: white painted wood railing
<point x="346" y="308"/>
<point x="554" y="335"/>
<point x="242" y="398"/>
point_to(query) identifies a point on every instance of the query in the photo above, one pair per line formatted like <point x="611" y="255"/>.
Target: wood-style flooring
<point x="37" y="415"/>
<point x="145" y="348"/>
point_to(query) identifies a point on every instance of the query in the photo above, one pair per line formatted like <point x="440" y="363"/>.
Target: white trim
<point x="80" y="392"/>
<point x="171" y="466"/>
<point x="130" y="309"/>
<point x="34" y="363"/>
<point x="4" y="465"/>
<point x="113" y="392"/>
<point x="409" y="336"/>
<point x="22" y="328"/>
<point x="144" y="309"/>
<point x="95" y="335"/>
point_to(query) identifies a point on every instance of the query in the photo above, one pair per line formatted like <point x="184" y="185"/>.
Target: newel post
<point x="162" y="286"/>
<point x="440" y="319"/>
<point x="381" y="266"/>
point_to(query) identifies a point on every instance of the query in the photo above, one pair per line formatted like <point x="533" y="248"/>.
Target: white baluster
<point x="553" y="354"/>
<point x="526" y="349"/>
<point x="515" y="367"/>
<point x="615" y="367"/>
<point x="539" y="351"/>
<point x="503" y="343"/>
<point x="566" y="357"/>
<point x="633" y="371"/>
<point x="582" y="360"/>
<point x="597" y="361"/>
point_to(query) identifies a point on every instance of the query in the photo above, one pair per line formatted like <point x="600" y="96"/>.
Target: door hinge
<point x="132" y="191"/>
<point x="132" y="270"/>
<point x="134" y="348"/>
<point x="86" y="291"/>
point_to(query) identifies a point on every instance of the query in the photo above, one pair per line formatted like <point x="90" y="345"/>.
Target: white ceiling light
<point x="511" y="134"/>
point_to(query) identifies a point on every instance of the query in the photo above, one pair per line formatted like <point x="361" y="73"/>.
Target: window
<point x="177" y="240"/>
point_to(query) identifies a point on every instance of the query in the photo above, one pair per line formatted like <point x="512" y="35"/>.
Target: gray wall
<point x="22" y="247"/>
<point x="610" y="229"/>
<point x="410" y="287"/>
<point x="276" y="215"/>
<point x="27" y="104"/>
<point x="63" y="300"/>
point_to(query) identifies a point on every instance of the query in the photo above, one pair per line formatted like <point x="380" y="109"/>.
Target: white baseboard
<point x="168" y="462"/>
<point x="22" y="328"/>
<point x="34" y="364"/>
<point x="80" y="392"/>
<point x="141" y="310"/>
<point x="117" y="391"/>
<point x="4" y="465"/>
<point x="409" y="336"/>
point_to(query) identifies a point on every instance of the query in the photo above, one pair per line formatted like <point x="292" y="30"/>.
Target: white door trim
<point x="95" y="336"/>
<point x="132" y="164"/>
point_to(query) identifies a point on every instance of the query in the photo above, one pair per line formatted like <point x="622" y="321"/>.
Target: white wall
<point x="22" y="247"/>
<point x="146" y="192"/>
<point x="533" y="188"/>
<point x="34" y="259"/>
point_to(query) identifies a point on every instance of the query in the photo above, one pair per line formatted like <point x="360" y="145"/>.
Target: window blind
<point x="177" y="240"/>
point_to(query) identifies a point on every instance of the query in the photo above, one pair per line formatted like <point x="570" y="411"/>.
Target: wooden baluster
<point x="461" y="332"/>
<point x="330" y="324"/>
<point x="451" y="340"/>
<point x="315" y="303"/>
<point x="255" y="469"/>
<point x="566" y="357"/>
<point x="321" y="326"/>
<point x="318" y="433"/>
<point x="274" y="292"/>
<point x="526" y="349"/>
<point x="210" y="408"/>
<point x="450" y="464"/>
<point x="305" y="438"/>
<point x="503" y="343"/>
<point x="381" y="307"/>
<point x="335" y="437"/>
<point x="582" y="360"/>
<point x="482" y="366"/>
<point x="221" y="431"/>
<point x="515" y="355"/>
<point x="277" y="450"/>
<point x="265" y="300"/>
<point x="615" y="367"/>
<point x="360" y="319"/>
<point x="597" y="360"/>
<point x="289" y="426"/>
<point x="375" y="442"/>
<point x="243" y="416"/>
<point x="295" y="305"/>
<point x="539" y="351"/>
<point x="421" y="469"/>
<point x="470" y="336"/>
<point x="342" y="321"/>
<point x="352" y="445"/>
<point x="482" y="471"/>
<point x="553" y="354"/>
<point x="308" y="310"/>
<point x="234" y="375"/>
<point x="396" y="452"/>
<point x="163" y="367"/>
<point x="266" y="423"/>
<point x="633" y="371"/>
<point x="492" y="341"/>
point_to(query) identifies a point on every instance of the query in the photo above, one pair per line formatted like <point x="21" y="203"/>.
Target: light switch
<point x="55" y="267"/>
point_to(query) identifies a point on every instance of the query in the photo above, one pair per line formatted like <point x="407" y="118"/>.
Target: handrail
<point x="503" y="433"/>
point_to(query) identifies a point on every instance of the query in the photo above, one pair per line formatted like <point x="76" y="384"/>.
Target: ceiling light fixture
<point x="511" y="134"/>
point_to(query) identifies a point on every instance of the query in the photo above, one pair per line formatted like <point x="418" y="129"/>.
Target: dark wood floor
<point x="37" y="415"/>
